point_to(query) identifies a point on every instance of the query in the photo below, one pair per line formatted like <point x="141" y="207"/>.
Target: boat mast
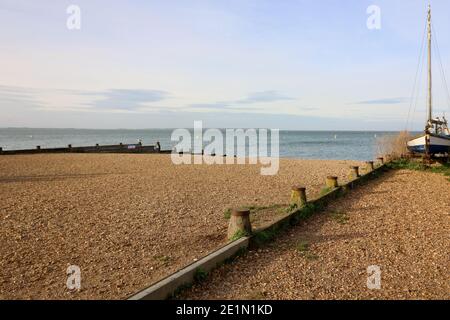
<point x="430" y="101"/>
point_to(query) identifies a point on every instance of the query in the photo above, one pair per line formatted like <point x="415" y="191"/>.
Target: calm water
<point x="294" y="144"/>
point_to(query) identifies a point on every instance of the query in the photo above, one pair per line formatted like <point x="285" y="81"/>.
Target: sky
<point x="292" y="64"/>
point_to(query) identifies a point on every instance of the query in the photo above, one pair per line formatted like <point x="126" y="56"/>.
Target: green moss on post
<point x="369" y="166"/>
<point x="298" y="196"/>
<point x="239" y="224"/>
<point x="332" y="182"/>
<point x="354" y="172"/>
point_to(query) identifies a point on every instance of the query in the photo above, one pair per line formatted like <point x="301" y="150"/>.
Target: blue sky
<point x="304" y="64"/>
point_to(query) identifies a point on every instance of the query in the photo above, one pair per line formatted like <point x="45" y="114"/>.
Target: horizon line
<point x="205" y="128"/>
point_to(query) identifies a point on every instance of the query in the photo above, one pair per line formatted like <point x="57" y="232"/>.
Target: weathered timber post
<point x="354" y="172"/>
<point x="332" y="182"/>
<point x="239" y="223"/>
<point x="369" y="166"/>
<point x="298" y="196"/>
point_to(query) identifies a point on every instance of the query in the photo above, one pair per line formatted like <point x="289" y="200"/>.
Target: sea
<point x="339" y="145"/>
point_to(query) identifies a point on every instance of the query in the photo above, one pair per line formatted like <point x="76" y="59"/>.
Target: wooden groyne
<point x="117" y="148"/>
<point x="242" y="236"/>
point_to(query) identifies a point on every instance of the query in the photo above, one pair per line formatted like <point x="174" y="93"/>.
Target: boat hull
<point x="438" y="144"/>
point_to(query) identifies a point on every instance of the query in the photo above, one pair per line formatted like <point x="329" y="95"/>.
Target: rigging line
<point x="441" y="65"/>
<point x="417" y="76"/>
<point x="444" y="84"/>
<point x="416" y="99"/>
<point x="421" y="50"/>
<point x="418" y="92"/>
<point x="438" y="56"/>
<point x="442" y="75"/>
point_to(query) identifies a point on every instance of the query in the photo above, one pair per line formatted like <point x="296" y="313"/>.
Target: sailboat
<point x="436" y="137"/>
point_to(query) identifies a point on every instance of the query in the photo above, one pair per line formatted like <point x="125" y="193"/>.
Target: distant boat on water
<point x="436" y="137"/>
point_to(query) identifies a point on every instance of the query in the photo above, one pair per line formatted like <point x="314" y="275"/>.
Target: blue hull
<point x="432" y="149"/>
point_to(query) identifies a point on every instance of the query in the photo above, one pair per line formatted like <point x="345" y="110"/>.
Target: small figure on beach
<point x="139" y="142"/>
<point x="158" y="146"/>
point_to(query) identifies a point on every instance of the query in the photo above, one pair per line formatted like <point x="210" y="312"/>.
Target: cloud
<point x="309" y="108"/>
<point x="128" y="99"/>
<point x="213" y="105"/>
<point x="384" y="101"/>
<point x="263" y="97"/>
<point x="252" y="98"/>
<point x="18" y="97"/>
<point x="87" y="100"/>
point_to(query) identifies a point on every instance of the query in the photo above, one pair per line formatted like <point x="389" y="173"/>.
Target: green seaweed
<point x="325" y="190"/>
<point x="239" y="234"/>
<point x="200" y="275"/>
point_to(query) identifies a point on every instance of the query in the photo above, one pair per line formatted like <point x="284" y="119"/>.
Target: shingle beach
<point x="125" y="220"/>
<point x="393" y="223"/>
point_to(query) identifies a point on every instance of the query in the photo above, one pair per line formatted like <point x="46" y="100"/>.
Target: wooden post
<point x="354" y="173"/>
<point x="332" y="182"/>
<point x="239" y="223"/>
<point x="369" y="166"/>
<point x="298" y="196"/>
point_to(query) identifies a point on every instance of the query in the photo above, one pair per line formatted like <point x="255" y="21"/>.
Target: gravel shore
<point x="400" y="222"/>
<point x="125" y="220"/>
